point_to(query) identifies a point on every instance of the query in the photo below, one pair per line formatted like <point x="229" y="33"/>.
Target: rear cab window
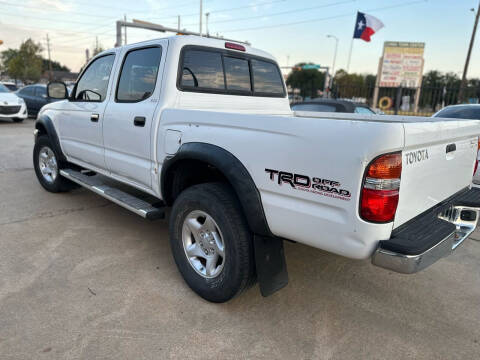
<point x="219" y="71"/>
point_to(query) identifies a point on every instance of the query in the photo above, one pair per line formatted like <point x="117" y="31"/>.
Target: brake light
<point x="229" y="45"/>
<point x="380" y="191"/>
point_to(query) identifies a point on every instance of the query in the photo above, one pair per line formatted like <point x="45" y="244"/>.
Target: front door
<point x="82" y="118"/>
<point x="127" y="128"/>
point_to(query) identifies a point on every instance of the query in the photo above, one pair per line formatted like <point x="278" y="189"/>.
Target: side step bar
<point x="119" y="197"/>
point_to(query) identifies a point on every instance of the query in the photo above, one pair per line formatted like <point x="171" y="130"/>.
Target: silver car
<point x="464" y="111"/>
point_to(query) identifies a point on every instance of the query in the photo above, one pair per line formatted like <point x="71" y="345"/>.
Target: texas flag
<point x="366" y="26"/>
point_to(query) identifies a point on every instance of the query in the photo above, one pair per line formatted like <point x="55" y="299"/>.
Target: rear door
<point x="127" y="128"/>
<point x="438" y="161"/>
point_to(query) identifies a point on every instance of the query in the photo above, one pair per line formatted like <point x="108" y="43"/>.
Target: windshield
<point x="460" y="112"/>
<point x="3" y="89"/>
<point x="364" y="110"/>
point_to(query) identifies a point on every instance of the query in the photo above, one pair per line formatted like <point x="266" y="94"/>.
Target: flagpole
<point x="351" y="45"/>
<point x="350" y="55"/>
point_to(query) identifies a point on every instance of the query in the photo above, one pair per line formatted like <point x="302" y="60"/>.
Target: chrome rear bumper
<point x="464" y="218"/>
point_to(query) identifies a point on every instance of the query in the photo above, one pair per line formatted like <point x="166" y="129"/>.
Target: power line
<point x="136" y="10"/>
<point x="55" y="10"/>
<point x="280" y="13"/>
<point x="321" y="19"/>
<point x="46" y="19"/>
<point x="223" y="10"/>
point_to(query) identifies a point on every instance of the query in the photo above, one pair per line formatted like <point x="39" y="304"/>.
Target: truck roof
<point x="182" y="40"/>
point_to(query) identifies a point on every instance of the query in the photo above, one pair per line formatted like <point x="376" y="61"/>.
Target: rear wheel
<point x="47" y="167"/>
<point x="211" y="242"/>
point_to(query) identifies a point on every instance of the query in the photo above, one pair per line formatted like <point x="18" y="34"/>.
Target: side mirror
<point x="57" y="90"/>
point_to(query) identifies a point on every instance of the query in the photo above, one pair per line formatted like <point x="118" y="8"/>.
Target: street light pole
<point x="206" y="23"/>
<point x="467" y="61"/>
<point x="201" y="16"/>
<point x="334" y="57"/>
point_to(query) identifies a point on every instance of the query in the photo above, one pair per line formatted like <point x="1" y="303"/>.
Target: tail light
<point x="476" y="159"/>
<point x="381" y="184"/>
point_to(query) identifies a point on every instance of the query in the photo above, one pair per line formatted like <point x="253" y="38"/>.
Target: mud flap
<point x="270" y="263"/>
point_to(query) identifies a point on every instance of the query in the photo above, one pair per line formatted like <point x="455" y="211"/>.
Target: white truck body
<point x="263" y="133"/>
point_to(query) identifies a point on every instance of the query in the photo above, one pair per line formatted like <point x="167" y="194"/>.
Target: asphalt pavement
<point x="82" y="278"/>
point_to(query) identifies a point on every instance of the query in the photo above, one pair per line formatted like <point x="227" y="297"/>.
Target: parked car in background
<point x="463" y="111"/>
<point x="332" y="105"/>
<point x="35" y="97"/>
<point x="11" y="106"/>
<point x="10" y="85"/>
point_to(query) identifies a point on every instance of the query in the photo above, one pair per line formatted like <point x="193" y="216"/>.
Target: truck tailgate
<point x="438" y="161"/>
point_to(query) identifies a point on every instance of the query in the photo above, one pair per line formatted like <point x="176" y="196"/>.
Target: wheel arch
<point x="218" y="163"/>
<point x="45" y="126"/>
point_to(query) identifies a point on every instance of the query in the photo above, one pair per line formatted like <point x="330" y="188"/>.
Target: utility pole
<point x="125" y="28"/>
<point x="49" y="60"/>
<point x="178" y="23"/>
<point x="206" y="23"/>
<point x="467" y="61"/>
<point x="201" y="16"/>
<point x="96" y="44"/>
<point x="87" y="55"/>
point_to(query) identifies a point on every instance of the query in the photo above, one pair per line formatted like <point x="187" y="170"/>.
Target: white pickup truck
<point x="204" y="127"/>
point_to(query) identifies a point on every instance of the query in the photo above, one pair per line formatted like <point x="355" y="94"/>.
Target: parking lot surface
<point x="82" y="278"/>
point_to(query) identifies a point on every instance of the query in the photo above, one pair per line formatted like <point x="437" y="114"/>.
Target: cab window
<point x="93" y="85"/>
<point x="28" y="90"/>
<point x="41" y="91"/>
<point x="266" y="78"/>
<point x="139" y="74"/>
<point x="203" y="70"/>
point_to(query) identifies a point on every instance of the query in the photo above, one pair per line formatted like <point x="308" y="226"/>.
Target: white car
<point x="12" y="107"/>
<point x="204" y="126"/>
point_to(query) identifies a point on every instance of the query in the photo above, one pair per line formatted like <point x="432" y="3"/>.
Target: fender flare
<point x="233" y="170"/>
<point x="44" y="122"/>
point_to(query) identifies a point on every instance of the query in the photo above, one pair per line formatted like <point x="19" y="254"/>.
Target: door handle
<point x="450" y="148"/>
<point x="139" y="121"/>
<point x="94" y="117"/>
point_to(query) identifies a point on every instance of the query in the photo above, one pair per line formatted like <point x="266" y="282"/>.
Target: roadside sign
<point x="401" y="64"/>
<point x="311" y="67"/>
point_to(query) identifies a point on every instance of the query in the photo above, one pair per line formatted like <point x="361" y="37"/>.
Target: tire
<point x="51" y="179"/>
<point x="233" y="273"/>
<point x="17" y="120"/>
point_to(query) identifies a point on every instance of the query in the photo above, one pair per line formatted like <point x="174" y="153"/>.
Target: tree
<point x="24" y="64"/>
<point x="308" y="81"/>
<point x="56" y="66"/>
<point x="5" y="57"/>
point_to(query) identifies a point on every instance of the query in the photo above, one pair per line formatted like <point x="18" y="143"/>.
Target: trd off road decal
<point x="314" y="185"/>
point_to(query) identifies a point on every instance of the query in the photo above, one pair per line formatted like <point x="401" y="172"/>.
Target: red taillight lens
<point x="379" y="206"/>
<point x="381" y="186"/>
